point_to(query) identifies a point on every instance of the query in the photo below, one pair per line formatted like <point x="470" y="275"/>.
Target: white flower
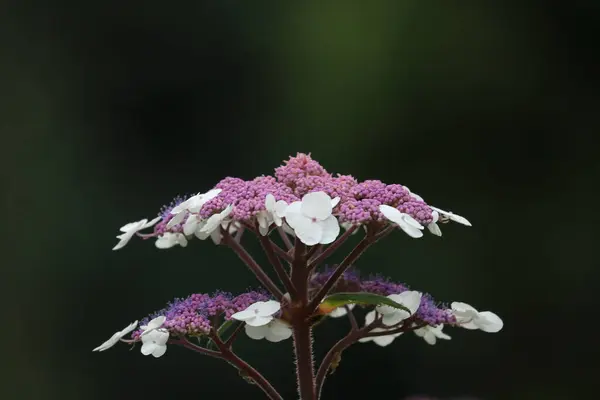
<point x="273" y="213"/>
<point x="155" y="342"/>
<point x="131" y="229"/>
<point x="275" y="331"/>
<point x="383" y="340"/>
<point x="433" y="226"/>
<point x="451" y="216"/>
<point x="214" y="221"/>
<point x="409" y="299"/>
<point x="407" y="223"/>
<point x="116" y="337"/>
<point x="169" y="239"/>
<point x="192" y="205"/>
<point x="311" y="219"/>
<point x="153" y="324"/>
<point x="431" y="334"/>
<point x="468" y="317"/>
<point x="259" y="313"/>
<point x="340" y="311"/>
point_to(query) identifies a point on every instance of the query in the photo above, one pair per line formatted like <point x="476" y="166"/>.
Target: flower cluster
<point x="302" y="196"/>
<point x="426" y="315"/>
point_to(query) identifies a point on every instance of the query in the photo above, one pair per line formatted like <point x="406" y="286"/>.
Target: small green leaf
<point x="341" y="299"/>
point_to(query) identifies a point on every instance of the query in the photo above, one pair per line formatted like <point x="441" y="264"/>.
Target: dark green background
<point x="110" y="108"/>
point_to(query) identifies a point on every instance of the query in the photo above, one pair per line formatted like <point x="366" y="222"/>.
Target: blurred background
<point x="110" y="109"/>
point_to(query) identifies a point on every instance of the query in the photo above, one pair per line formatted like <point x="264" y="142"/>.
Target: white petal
<point x="211" y="194"/>
<point x="159" y="351"/>
<point x="463" y="310"/>
<point x="340" y="311"/>
<point x="184" y="205"/>
<point x="391" y="213"/>
<point x="435" y="229"/>
<point x="331" y="229"/>
<point x="155" y="324"/>
<point x="395" y="318"/>
<point x="469" y="325"/>
<point x="370" y="317"/>
<point x="270" y="203"/>
<point x="489" y="322"/>
<point x="411" y="231"/>
<point x="246" y="314"/>
<point x="268" y="308"/>
<point x="421" y="331"/>
<point x="383" y="340"/>
<point x="411" y="221"/>
<point x="176" y="220"/>
<point x="280" y="208"/>
<point x="293" y="214"/>
<point x="316" y="205"/>
<point x="124" y="239"/>
<point x="109" y="343"/>
<point x="216" y="236"/>
<point x="133" y="226"/>
<point x="334" y="202"/>
<point x="259" y="320"/>
<point x="452" y="216"/>
<point x="151" y="223"/>
<point x="278" y="331"/>
<point x="410" y="299"/>
<point x="366" y="339"/>
<point x="202" y="235"/>
<point x="256" y="332"/>
<point x="181" y="240"/>
<point x="308" y="232"/>
<point x="435" y="216"/>
<point x="430" y="338"/>
<point x="191" y="224"/>
<point x="148" y="348"/>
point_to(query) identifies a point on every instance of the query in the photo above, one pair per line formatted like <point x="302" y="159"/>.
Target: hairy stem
<point x="246" y="368"/>
<point x="304" y="361"/>
<point x="285" y="238"/>
<point x="262" y="277"/>
<point x="360" y="248"/>
<point x="267" y="246"/>
<point x="332" y="248"/>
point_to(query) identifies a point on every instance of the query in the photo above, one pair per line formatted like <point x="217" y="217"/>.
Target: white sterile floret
<point x="468" y="317"/>
<point x="116" y="337"/>
<point x="408" y="224"/>
<point x="409" y="299"/>
<point x="311" y="219"/>
<point x="433" y="226"/>
<point x="341" y="311"/>
<point x="275" y="331"/>
<point x="383" y="340"/>
<point x="154" y="324"/>
<point x="215" y="221"/>
<point x="131" y="229"/>
<point x="452" y="217"/>
<point x="259" y="313"/>
<point x="273" y="213"/>
<point x="431" y="333"/>
<point x="169" y="239"/>
<point x="191" y="205"/>
<point x="155" y="342"/>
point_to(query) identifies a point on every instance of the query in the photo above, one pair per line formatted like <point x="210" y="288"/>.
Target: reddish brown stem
<point x="285" y="238"/>
<point x="281" y="273"/>
<point x="246" y="368"/>
<point x="262" y="277"/>
<point x="332" y="248"/>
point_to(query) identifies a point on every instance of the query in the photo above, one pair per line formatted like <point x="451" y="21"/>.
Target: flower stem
<point x="360" y="248"/>
<point x="246" y="368"/>
<point x="332" y="248"/>
<point x="281" y="273"/>
<point x="285" y="238"/>
<point x="253" y="265"/>
<point x="304" y="361"/>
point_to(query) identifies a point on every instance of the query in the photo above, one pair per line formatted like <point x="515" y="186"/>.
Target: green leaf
<point x="341" y="299"/>
<point x="225" y="326"/>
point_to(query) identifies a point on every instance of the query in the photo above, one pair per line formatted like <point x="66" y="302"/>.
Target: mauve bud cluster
<point x="195" y="314"/>
<point x="359" y="201"/>
<point x="429" y="311"/>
